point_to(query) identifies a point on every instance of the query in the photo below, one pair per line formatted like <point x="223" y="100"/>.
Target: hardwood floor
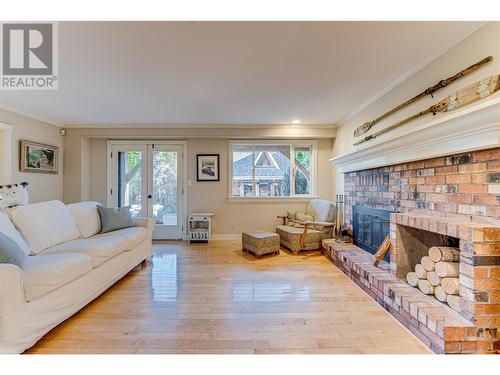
<point x="217" y="299"/>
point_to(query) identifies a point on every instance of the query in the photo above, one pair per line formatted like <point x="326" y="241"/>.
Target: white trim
<point x="471" y="128"/>
<point x="294" y="198"/>
<point x="6" y="149"/>
<point x="144" y="144"/>
<point x="226" y="237"/>
<point x="440" y="51"/>
<point x="313" y="144"/>
<point x="284" y="126"/>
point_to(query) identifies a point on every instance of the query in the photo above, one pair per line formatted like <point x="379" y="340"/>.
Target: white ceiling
<point x="147" y="73"/>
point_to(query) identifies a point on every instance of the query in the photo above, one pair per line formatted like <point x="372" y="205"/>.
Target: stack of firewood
<point x="437" y="274"/>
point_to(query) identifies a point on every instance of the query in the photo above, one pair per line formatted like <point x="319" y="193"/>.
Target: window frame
<point x="293" y="143"/>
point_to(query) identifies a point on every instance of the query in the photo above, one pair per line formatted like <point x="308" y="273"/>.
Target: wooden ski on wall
<point x="458" y="99"/>
<point x="430" y="91"/>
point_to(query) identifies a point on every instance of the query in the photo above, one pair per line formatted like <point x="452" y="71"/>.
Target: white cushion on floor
<point x="100" y="249"/>
<point x="44" y="274"/>
<point x="7" y="228"/>
<point x="86" y="217"/>
<point x="44" y="224"/>
<point x="134" y="236"/>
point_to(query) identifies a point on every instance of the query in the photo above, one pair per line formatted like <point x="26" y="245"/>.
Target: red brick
<point x="494" y="166"/>
<point x="479" y="178"/>
<point x="417" y="180"/>
<point x="487" y="308"/>
<point x="452" y="169"/>
<point x="425" y="188"/>
<point x="434" y="162"/>
<point x="446" y="207"/>
<point x="458" y="179"/>
<point x="493" y="211"/>
<point x="435" y="180"/>
<point x="459" y="198"/>
<point x="472" y="188"/>
<point x="472" y="210"/>
<point x="486" y="199"/>
<point x="436" y="197"/>
<point x="417" y="165"/>
<point x="472" y="168"/>
<point x="481" y="272"/>
<point x="493" y="154"/>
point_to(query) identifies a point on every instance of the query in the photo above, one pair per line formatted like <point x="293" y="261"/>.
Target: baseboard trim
<point x="226" y="237"/>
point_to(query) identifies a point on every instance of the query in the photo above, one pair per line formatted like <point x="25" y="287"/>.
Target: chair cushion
<point x="100" y="249"/>
<point x="321" y="210"/>
<point x="44" y="274"/>
<point x="7" y="228"/>
<point x="295" y="231"/>
<point x="45" y="224"/>
<point x="86" y="217"/>
<point x="133" y="236"/>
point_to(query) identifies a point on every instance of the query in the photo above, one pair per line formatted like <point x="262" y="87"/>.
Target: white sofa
<point x="68" y="264"/>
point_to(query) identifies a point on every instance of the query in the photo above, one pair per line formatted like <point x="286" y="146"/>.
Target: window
<point x="264" y="169"/>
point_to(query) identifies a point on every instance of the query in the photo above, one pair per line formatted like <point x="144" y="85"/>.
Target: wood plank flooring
<point x="216" y="299"/>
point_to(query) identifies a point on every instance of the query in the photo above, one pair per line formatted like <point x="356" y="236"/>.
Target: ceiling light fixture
<point x="296" y="121"/>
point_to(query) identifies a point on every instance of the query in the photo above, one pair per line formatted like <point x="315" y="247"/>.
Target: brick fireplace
<point x="441" y="201"/>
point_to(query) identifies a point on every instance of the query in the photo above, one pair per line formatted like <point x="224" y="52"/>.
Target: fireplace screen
<point x="370" y="227"/>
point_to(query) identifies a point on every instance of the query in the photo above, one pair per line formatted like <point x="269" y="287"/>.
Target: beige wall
<point x="231" y="217"/>
<point x="482" y="43"/>
<point x="42" y="186"/>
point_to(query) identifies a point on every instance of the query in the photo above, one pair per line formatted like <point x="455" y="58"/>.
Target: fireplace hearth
<point x="449" y="201"/>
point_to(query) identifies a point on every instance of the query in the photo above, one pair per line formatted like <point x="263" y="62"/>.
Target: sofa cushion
<point x="7" y="228"/>
<point x="133" y="236"/>
<point x="100" y="249"/>
<point x="113" y="219"/>
<point x="44" y="274"/>
<point x="10" y="252"/>
<point x="45" y="224"/>
<point x="86" y="217"/>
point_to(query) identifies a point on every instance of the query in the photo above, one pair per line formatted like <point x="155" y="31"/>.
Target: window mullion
<point x="253" y="171"/>
<point x="292" y="170"/>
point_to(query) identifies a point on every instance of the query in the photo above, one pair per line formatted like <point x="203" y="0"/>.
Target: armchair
<point x="298" y="235"/>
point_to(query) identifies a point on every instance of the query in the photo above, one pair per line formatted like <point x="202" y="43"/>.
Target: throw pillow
<point x="115" y="218"/>
<point x="10" y="252"/>
<point x="302" y="218"/>
<point x="290" y="216"/>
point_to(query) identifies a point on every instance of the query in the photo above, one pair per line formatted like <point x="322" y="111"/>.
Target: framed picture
<point x="208" y="167"/>
<point x="39" y="158"/>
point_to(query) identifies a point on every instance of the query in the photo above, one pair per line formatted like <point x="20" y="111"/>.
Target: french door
<point x="149" y="178"/>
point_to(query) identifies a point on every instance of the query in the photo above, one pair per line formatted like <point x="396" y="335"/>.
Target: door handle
<point x="150" y="196"/>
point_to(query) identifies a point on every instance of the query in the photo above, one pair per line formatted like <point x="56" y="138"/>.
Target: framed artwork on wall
<point x="207" y="167"/>
<point x="39" y="158"/>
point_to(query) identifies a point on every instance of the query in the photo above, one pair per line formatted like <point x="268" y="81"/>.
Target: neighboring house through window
<point x="273" y="169"/>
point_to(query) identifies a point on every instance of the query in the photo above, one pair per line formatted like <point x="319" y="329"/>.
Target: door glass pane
<point x="165" y="187"/>
<point x="130" y="181"/>
<point x="272" y="170"/>
<point x="242" y="171"/>
<point x="302" y="170"/>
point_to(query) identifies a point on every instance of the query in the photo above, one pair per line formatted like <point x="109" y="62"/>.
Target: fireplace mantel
<point x="472" y="128"/>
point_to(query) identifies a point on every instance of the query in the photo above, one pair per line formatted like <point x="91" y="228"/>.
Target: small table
<point x="260" y="243"/>
<point x="200" y="226"/>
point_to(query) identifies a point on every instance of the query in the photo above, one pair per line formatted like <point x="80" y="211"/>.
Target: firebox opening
<point x="413" y="244"/>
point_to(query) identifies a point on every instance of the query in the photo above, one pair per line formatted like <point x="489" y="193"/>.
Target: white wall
<point x="480" y="44"/>
<point x="42" y="186"/>
<point x="230" y="217"/>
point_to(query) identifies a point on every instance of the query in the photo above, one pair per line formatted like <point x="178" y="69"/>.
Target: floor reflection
<point x="252" y="291"/>
<point x="164" y="277"/>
